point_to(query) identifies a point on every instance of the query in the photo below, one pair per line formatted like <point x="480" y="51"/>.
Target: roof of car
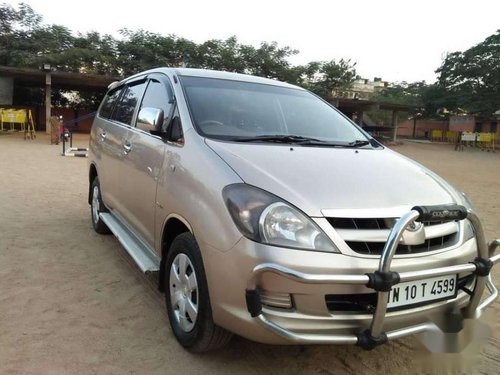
<point x="206" y="73"/>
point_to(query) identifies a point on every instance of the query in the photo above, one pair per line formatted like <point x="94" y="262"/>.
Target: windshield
<point x="244" y="111"/>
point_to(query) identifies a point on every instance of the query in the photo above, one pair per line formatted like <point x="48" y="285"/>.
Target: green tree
<point x="401" y="93"/>
<point x="16" y="28"/>
<point x="431" y="101"/>
<point x="329" y="78"/>
<point x="220" y="55"/>
<point x="472" y="78"/>
<point x="26" y="42"/>
<point x="270" y="61"/>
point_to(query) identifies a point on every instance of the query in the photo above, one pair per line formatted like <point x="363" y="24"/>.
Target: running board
<point x="145" y="259"/>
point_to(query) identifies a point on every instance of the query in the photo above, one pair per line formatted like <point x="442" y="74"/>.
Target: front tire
<point x="187" y="298"/>
<point x="96" y="207"/>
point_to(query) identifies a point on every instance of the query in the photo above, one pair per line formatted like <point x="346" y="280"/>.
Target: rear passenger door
<point x="103" y="137"/>
<point x="144" y="161"/>
<point x="118" y="128"/>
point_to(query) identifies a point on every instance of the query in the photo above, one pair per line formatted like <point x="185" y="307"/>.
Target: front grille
<point x="370" y="223"/>
<point x="349" y="223"/>
<point x="368" y="235"/>
<point x="429" y="245"/>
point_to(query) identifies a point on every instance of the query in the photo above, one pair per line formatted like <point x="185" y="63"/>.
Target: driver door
<point x="144" y="161"/>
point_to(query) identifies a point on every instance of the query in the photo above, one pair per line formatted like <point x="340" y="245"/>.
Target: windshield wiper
<point x="298" y="140"/>
<point x="358" y="143"/>
<point x="277" y="138"/>
<point x="289" y="139"/>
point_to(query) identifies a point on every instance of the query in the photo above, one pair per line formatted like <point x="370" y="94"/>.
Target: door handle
<point x="127" y="147"/>
<point x="103" y="136"/>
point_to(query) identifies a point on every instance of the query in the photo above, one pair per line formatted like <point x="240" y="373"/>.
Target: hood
<point x="324" y="181"/>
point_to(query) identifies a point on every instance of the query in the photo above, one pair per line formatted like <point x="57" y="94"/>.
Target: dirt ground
<point x="73" y="302"/>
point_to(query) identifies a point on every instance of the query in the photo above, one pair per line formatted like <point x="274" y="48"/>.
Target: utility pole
<point x="414" y="125"/>
<point x="395" y="124"/>
<point x="48" y="91"/>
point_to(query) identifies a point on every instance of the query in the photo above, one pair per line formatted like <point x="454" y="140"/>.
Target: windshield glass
<point x="242" y="111"/>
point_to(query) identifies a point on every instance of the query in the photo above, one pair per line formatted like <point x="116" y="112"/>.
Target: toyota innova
<point x="269" y="214"/>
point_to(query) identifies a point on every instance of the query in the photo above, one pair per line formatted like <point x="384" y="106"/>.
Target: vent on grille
<point x="375" y="223"/>
<point x="368" y="235"/>
<point x="276" y="299"/>
<point x="348" y="223"/>
<point x="429" y="245"/>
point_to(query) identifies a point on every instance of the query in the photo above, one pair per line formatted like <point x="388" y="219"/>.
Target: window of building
<point x="493" y="127"/>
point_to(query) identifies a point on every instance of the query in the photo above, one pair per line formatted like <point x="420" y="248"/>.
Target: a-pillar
<point x="394" y="125"/>
<point x="48" y="103"/>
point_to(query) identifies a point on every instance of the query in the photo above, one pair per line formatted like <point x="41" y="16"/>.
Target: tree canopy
<point x="472" y="78"/>
<point x="25" y="41"/>
<point x="469" y="81"/>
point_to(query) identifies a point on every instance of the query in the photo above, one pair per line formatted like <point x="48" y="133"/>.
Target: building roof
<point x="64" y="80"/>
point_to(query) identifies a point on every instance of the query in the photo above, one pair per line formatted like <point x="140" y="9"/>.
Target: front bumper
<point x="382" y="280"/>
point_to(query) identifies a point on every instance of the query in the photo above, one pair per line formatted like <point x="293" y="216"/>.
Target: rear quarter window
<point x="125" y="108"/>
<point x="109" y="103"/>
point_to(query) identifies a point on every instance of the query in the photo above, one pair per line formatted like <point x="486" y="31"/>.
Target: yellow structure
<point x="486" y="141"/>
<point x="451" y="136"/>
<point x="23" y="117"/>
<point x="437" y="135"/>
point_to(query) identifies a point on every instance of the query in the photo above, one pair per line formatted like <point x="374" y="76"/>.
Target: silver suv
<point x="269" y="214"/>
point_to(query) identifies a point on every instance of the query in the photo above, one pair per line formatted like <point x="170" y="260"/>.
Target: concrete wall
<point x="6" y="91"/>
<point x="462" y="123"/>
<point x="468" y="124"/>
<point x="423" y="127"/>
<point x="456" y="123"/>
<point x="68" y="114"/>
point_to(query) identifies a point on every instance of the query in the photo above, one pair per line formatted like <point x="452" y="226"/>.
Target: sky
<point x="395" y="40"/>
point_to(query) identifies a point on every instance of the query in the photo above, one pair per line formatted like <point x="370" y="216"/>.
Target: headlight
<point x="265" y="218"/>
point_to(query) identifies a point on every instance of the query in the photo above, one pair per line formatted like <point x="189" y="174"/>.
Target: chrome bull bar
<point x="384" y="279"/>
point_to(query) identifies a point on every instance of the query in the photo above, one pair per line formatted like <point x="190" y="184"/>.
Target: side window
<point x="109" y="103"/>
<point x="157" y="96"/>
<point x="125" y="108"/>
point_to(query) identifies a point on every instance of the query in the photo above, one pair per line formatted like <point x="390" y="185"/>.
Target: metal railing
<point x="384" y="279"/>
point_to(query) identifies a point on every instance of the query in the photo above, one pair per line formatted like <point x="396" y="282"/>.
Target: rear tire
<point x="187" y="298"/>
<point x="96" y="207"/>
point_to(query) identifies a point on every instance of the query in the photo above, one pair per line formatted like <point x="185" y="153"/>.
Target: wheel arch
<point x="174" y="225"/>
<point x="92" y="176"/>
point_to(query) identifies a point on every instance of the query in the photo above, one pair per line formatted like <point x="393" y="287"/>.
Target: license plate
<point x="420" y="292"/>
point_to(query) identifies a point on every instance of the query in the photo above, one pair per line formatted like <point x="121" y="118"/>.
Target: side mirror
<point x="150" y="119"/>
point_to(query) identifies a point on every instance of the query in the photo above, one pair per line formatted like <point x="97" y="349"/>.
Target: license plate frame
<point x="423" y="289"/>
